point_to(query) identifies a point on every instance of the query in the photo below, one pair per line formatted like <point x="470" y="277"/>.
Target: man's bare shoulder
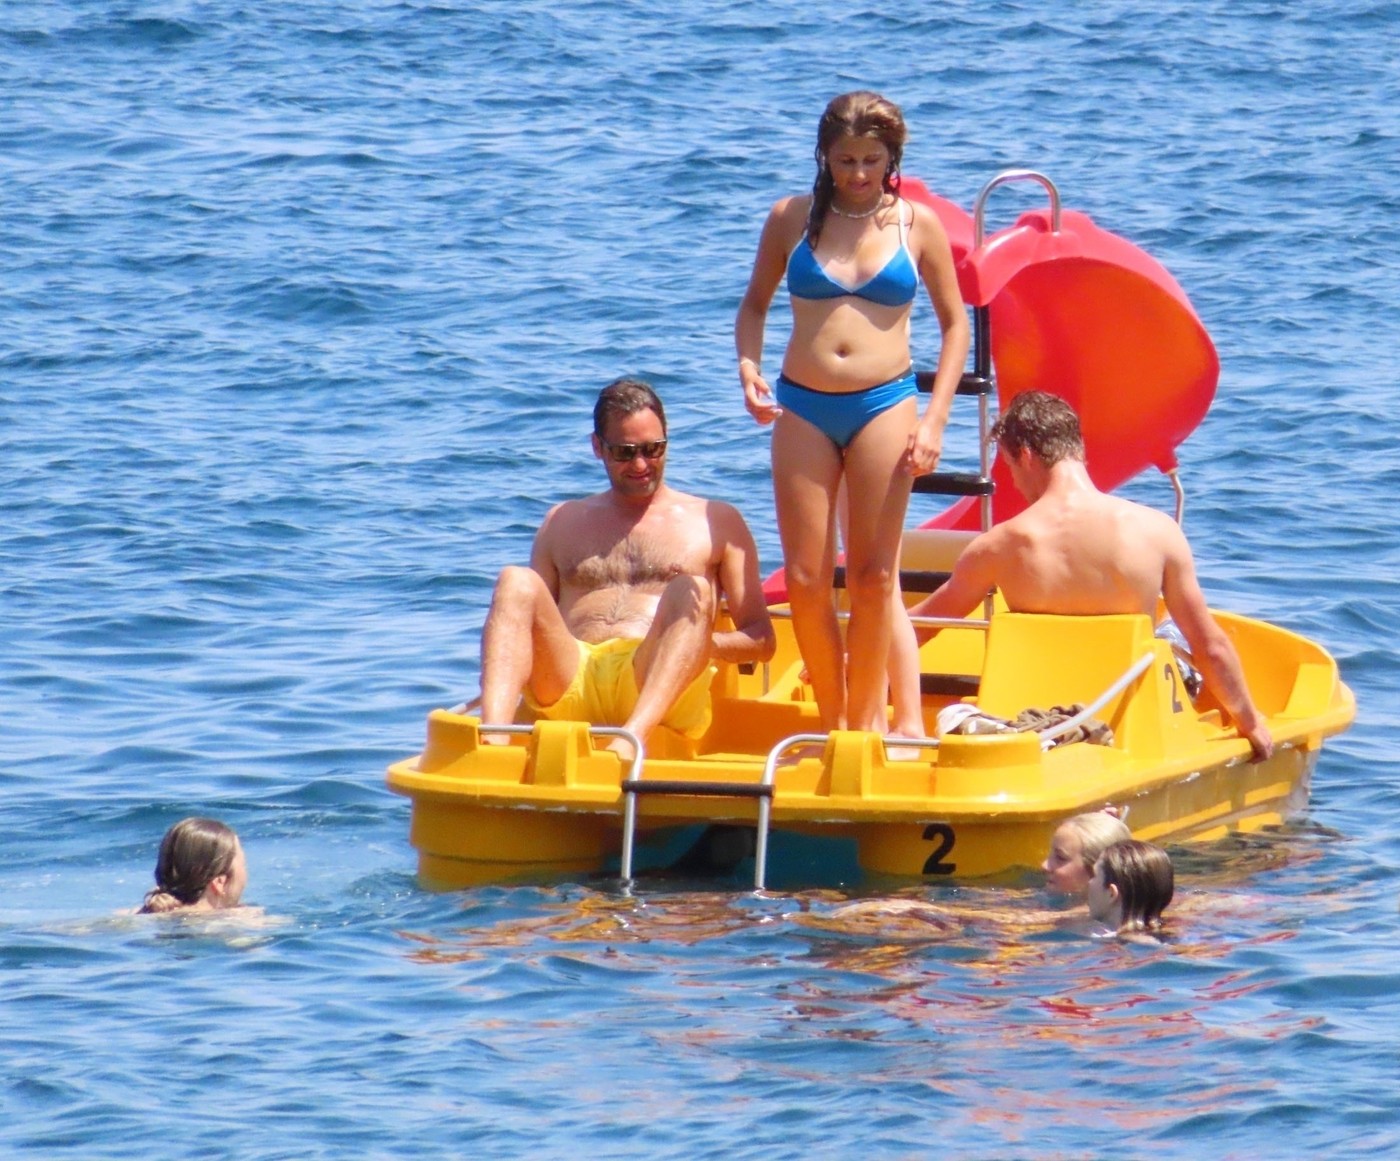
<point x="1143" y="511"/>
<point x="986" y="553"/>
<point x="671" y="495"/>
<point x="722" y="510"/>
<point x="1003" y="537"/>
<point x="1163" y="530"/>
<point x="722" y="519"/>
<point x="569" y="512"/>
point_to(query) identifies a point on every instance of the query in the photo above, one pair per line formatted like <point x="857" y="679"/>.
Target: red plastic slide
<point x="1087" y="315"/>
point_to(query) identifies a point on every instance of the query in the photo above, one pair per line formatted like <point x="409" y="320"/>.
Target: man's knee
<point x="689" y="598"/>
<point x="517" y="586"/>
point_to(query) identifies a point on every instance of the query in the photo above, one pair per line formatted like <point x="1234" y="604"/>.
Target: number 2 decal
<point x="943" y="833"/>
<point x="1170" y="670"/>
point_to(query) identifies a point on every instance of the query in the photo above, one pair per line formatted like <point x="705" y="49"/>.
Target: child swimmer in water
<point x="1076" y="846"/>
<point x="1132" y="884"/>
<point x="1075" y="849"/>
<point x="201" y="867"/>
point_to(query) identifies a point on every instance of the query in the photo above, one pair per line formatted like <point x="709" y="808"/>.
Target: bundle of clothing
<point x="962" y="718"/>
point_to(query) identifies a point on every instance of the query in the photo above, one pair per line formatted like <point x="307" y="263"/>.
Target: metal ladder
<point x="981" y="380"/>
<point x="762" y="790"/>
<point x="981" y="383"/>
<point x="635" y="785"/>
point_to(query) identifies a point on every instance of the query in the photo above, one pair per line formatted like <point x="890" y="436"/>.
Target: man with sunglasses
<point x="614" y="622"/>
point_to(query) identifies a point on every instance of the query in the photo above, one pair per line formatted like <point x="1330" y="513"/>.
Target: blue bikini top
<point x="894" y="285"/>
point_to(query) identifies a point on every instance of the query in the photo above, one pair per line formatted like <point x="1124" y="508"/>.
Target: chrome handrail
<point x="1175" y="477"/>
<point x="979" y="210"/>
<point x="921" y="622"/>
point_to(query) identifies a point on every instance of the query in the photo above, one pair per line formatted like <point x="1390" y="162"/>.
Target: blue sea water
<point x="302" y="311"/>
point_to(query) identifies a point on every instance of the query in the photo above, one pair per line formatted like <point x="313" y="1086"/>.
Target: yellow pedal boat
<point x="554" y="803"/>
<point x="1072" y="305"/>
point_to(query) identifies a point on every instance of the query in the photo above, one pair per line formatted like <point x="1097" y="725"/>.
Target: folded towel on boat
<point x="964" y="718"/>
<point x="1089" y="730"/>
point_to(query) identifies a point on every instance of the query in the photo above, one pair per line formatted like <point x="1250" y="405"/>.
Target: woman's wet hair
<point x="1044" y="423"/>
<point x="858" y="114"/>
<point x="1145" y="880"/>
<point x="1097" y="830"/>
<point x="193" y="853"/>
<point x="624" y="397"/>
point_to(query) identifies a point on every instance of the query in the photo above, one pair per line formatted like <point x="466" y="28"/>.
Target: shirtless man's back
<point x="1085" y="553"/>
<point x="613" y="622"/>
<point x="1077" y="551"/>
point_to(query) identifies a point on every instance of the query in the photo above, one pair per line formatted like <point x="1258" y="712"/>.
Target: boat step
<point x="957" y="483"/>
<point x="954" y="484"/>
<point x="911" y="580"/>
<point x="949" y="684"/>
<point x="930" y="684"/>
<point x="697" y="789"/>
<point x="970" y="384"/>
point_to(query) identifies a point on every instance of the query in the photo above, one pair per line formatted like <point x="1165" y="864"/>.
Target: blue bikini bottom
<point x="840" y="415"/>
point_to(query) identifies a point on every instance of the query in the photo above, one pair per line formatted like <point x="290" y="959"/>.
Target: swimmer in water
<point x="1132" y="884"/>
<point x="1075" y="848"/>
<point x="200" y="867"/>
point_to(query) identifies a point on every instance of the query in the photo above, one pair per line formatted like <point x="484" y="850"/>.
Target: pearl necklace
<point x="870" y="213"/>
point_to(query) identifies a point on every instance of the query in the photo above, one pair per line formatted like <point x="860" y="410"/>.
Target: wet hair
<point x="1044" y="423"/>
<point x="858" y="114"/>
<point x="193" y="853"/>
<point x="624" y="397"/>
<point x="1145" y="880"/>
<point x="1097" y="830"/>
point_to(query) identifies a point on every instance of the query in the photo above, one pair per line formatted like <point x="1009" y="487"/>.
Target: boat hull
<point x="463" y="846"/>
<point x="551" y="804"/>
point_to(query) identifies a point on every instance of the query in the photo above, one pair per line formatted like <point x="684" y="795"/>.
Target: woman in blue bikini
<point x="853" y="253"/>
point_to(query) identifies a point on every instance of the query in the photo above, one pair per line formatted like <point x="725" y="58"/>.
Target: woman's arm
<point x="769" y="265"/>
<point x="935" y="258"/>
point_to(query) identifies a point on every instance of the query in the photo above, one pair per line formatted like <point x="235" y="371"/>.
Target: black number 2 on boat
<point x="943" y="834"/>
<point x="1170" y="670"/>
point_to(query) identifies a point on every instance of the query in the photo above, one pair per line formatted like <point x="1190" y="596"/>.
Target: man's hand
<point x="1261" y="740"/>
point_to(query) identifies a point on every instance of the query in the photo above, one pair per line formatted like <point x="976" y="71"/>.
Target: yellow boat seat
<point x="1036" y="660"/>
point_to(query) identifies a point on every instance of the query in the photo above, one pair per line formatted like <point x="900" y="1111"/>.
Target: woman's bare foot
<point x="897" y="753"/>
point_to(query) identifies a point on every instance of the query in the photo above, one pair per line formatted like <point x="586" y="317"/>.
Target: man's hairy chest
<point x="634" y="561"/>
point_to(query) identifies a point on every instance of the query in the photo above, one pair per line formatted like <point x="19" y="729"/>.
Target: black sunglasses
<point x="625" y="453"/>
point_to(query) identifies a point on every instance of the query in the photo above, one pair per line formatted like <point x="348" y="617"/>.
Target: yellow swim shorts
<point x="604" y="691"/>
